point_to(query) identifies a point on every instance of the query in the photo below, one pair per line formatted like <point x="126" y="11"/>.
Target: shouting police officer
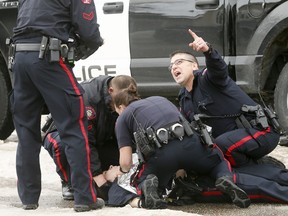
<point x="241" y="129"/>
<point x="43" y="74"/>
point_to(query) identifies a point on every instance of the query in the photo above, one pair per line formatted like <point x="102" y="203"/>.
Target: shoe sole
<point x="68" y="198"/>
<point x="238" y="196"/>
<point x="83" y="208"/>
<point x="30" y="207"/>
<point x="152" y="199"/>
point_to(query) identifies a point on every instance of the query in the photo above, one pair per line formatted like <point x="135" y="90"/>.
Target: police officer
<point x="101" y="135"/>
<point x="44" y="75"/>
<point x="180" y="151"/>
<point x="242" y="136"/>
<point x="262" y="182"/>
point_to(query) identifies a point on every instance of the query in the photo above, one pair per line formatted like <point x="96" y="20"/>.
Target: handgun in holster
<point x="187" y="126"/>
<point x="207" y="139"/>
<point x="273" y="119"/>
<point x="260" y="117"/>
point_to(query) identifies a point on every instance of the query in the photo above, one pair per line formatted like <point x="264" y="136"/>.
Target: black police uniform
<point x="262" y="182"/>
<point x="101" y="124"/>
<point x="190" y="154"/>
<point x="38" y="81"/>
<point x="101" y="135"/>
<point x="216" y="95"/>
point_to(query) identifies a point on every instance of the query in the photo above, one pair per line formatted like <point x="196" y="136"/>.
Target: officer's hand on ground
<point x="198" y="44"/>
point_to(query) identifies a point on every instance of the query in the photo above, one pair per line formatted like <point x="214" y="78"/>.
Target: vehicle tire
<point x="281" y="98"/>
<point x="6" y="122"/>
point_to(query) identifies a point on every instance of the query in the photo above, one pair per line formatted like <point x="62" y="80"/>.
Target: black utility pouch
<point x="54" y="48"/>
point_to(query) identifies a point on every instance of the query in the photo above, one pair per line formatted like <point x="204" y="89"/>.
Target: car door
<point x="113" y="57"/>
<point x="156" y="28"/>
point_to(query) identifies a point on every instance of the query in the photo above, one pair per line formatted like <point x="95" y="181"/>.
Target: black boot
<point x="150" y="191"/>
<point x="30" y="206"/>
<point x="67" y="191"/>
<point x="226" y="185"/>
<point x="94" y="206"/>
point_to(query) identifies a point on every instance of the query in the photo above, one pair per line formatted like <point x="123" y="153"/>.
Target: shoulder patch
<point x="91" y="113"/>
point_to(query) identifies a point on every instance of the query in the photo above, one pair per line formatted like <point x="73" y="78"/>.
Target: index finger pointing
<point x="193" y="34"/>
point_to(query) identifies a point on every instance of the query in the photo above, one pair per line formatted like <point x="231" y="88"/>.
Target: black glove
<point x="83" y="52"/>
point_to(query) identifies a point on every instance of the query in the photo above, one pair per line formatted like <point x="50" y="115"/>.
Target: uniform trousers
<point x="262" y="183"/>
<point x="107" y="154"/>
<point x="38" y="81"/>
<point x="244" y="146"/>
<point x="189" y="154"/>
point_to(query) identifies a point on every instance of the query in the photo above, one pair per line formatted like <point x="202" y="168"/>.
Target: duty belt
<point x="27" y="47"/>
<point x="56" y="49"/>
<point x="172" y="131"/>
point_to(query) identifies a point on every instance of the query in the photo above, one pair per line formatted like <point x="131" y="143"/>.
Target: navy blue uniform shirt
<point x="155" y="112"/>
<point x="58" y="19"/>
<point x="214" y="93"/>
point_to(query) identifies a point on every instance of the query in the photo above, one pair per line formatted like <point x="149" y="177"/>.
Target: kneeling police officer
<point x="180" y="151"/>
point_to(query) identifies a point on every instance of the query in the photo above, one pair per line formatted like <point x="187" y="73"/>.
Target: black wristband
<point x="122" y="170"/>
<point x="210" y="48"/>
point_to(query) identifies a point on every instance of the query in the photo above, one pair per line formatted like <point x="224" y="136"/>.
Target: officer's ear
<point x="110" y="90"/>
<point x="119" y="109"/>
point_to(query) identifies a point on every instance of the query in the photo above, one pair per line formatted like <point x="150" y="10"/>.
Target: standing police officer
<point x="43" y="75"/>
<point x="238" y="123"/>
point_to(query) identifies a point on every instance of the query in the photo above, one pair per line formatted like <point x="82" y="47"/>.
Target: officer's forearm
<point x="125" y="160"/>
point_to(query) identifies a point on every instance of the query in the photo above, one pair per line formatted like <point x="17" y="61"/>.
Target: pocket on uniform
<point x="75" y="102"/>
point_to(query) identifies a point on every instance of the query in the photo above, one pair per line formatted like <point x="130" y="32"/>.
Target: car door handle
<point x="113" y="7"/>
<point x="206" y="4"/>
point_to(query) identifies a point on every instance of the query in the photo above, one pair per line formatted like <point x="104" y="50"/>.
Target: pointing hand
<point x="198" y="44"/>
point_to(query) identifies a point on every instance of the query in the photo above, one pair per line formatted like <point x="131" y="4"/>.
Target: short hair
<point x="194" y="59"/>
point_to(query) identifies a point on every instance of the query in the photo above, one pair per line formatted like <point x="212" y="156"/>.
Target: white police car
<point x="139" y="36"/>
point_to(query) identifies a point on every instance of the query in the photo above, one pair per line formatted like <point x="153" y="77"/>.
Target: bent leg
<point x="245" y="146"/>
